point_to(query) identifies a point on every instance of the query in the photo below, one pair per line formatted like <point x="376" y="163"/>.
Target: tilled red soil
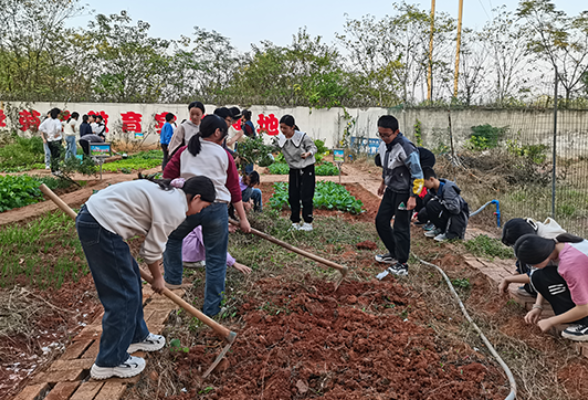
<point x="303" y="341"/>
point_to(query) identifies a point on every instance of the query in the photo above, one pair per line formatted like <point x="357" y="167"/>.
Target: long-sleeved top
<point x="213" y="162"/>
<point x="193" y="248"/>
<point x="401" y="166"/>
<point x="140" y="207"/>
<point x="92" y="138"/>
<point x="182" y="136"/>
<point x="85" y="129"/>
<point x="293" y="148"/>
<point x="52" y="129"/>
<point x="167" y="131"/>
<point x="449" y="195"/>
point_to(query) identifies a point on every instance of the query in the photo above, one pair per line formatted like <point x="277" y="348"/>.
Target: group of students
<point x="411" y="190"/>
<point x="552" y="266"/>
<point x="53" y="131"/>
<point x="185" y="220"/>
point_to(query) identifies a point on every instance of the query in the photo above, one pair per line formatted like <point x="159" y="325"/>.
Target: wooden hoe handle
<point x="218" y="328"/>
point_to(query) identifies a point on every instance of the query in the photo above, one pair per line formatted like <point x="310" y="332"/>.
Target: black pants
<point x="85" y="147"/>
<point x="164" y="147"/>
<point x="397" y="239"/>
<point x="55" y="149"/>
<point x="301" y="189"/>
<point x="434" y="212"/>
<point x="554" y="289"/>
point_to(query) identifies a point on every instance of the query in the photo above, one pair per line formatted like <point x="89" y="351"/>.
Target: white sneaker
<point x="132" y="367"/>
<point x="433" y="233"/>
<point x="151" y="343"/>
<point x="47" y="167"/>
<point x="306" y="227"/>
<point x="440" y="237"/>
<point x="295" y="226"/>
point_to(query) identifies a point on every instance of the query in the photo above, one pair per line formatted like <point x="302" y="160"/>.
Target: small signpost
<point x="339" y="158"/>
<point x="100" y="151"/>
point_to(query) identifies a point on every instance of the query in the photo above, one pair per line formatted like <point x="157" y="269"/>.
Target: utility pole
<point x="430" y="76"/>
<point x="458" y="49"/>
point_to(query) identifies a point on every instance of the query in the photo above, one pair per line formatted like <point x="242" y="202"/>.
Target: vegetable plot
<point x="143" y="160"/>
<point x="22" y="190"/>
<point x="324" y="169"/>
<point x="327" y="196"/>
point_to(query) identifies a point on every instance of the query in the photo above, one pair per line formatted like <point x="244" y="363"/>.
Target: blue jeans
<point x="71" y="147"/>
<point x="118" y="283"/>
<point x="47" y="154"/>
<point x="215" y="231"/>
<point x="255" y="194"/>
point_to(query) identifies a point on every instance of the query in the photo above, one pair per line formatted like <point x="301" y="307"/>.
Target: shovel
<point x="341" y="268"/>
<point x="227" y="335"/>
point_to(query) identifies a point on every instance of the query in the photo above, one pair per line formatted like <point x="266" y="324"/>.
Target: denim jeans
<point x="255" y="194"/>
<point x="47" y="154"/>
<point x="118" y="283"/>
<point x="215" y="231"/>
<point x="71" y="147"/>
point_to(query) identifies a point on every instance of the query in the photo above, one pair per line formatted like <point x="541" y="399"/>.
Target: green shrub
<point x="486" y="136"/>
<point x="22" y="152"/>
<point x="327" y="196"/>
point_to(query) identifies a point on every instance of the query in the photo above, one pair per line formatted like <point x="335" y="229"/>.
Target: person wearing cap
<point x="512" y="230"/>
<point x="149" y="207"/>
<point x="565" y="287"/>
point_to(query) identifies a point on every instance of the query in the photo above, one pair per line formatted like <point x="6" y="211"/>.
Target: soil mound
<point x="306" y="342"/>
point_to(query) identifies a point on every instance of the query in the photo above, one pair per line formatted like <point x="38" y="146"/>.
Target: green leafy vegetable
<point x="327" y="196"/>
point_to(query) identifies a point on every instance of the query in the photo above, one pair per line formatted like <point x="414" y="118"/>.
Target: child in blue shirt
<point x="167" y="131"/>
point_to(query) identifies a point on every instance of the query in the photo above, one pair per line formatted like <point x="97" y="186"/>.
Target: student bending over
<point x="111" y="216"/>
<point x="565" y="287"/>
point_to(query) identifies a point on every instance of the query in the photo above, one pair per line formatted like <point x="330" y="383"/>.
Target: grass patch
<point x="45" y="252"/>
<point x="484" y="245"/>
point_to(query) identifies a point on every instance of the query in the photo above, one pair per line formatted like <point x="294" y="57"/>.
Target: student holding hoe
<point x="153" y="208"/>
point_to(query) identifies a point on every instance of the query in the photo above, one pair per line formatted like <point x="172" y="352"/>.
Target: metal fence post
<point x="553" y="174"/>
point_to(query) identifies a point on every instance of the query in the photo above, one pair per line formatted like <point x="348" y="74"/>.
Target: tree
<point x="130" y="66"/>
<point x="35" y="48"/>
<point x="559" y="39"/>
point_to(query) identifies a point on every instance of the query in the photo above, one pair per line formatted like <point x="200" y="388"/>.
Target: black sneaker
<point x="386" y="258"/>
<point x="399" y="269"/>
<point x="579" y="333"/>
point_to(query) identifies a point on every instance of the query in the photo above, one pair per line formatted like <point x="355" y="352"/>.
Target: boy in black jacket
<point x="446" y="209"/>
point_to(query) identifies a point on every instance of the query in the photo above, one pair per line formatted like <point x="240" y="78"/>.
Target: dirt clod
<point x="367" y="245"/>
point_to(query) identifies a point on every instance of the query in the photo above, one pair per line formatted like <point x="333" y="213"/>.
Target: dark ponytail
<point x="208" y="127"/>
<point x="197" y="185"/>
<point x="74" y="116"/>
<point x="568" y="238"/>
<point x="532" y="249"/>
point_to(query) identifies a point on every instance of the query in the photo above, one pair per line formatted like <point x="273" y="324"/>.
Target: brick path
<point x="68" y="377"/>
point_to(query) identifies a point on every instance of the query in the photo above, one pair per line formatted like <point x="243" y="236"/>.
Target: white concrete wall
<point x="529" y="127"/>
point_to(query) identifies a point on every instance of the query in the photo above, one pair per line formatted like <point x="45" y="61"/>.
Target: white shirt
<point x="71" y="128"/>
<point x="52" y="129"/>
<point x="140" y="207"/>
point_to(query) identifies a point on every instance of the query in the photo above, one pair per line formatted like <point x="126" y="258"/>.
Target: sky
<point x="246" y="22"/>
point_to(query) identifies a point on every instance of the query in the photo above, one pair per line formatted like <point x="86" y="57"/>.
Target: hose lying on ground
<point x="497" y="213"/>
<point x="513" y="385"/>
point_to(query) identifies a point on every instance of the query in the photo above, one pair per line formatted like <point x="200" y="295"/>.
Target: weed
<point x="483" y="245"/>
<point x="461" y="283"/>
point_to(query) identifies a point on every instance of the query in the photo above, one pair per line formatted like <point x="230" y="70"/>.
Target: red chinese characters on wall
<point x="237" y="125"/>
<point x="104" y="115"/>
<point x="268" y="124"/>
<point x="2" y="119"/>
<point x="131" y="122"/>
<point x="64" y="116"/>
<point x="160" y="121"/>
<point x="28" y="120"/>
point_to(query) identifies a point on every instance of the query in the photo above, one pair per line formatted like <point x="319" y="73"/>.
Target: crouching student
<point x="250" y="193"/>
<point x="153" y="208"/>
<point x="446" y="209"/>
<point x="565" y="287"/>
<point x="514" y="229"/>
<point x="194" y="252"/>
